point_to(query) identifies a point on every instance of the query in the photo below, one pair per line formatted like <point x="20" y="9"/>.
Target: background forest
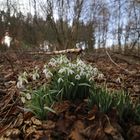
<point x="63" y="23"/>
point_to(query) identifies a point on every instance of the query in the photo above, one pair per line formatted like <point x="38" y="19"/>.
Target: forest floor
<point x="73" y="121"/>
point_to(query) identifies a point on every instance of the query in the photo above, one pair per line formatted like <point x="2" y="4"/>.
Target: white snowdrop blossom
<point x="118" y="80"/>
<point x="47" y="73"/>
<point x="72" y="83"/>
<point x="66" y="70"/>
<point x="52" y="64"/>
<point x="35" y="74"/>
<point x="100" y="76"/>
<point x="60" y="60"/>
<point x="20" y="85"/>
<point x="80" y="63"/>
<point x="70" y="71"/>
<point x="53" y="60"/>
<point x="91" y="78"/>
<point x="24" y="74"/>
<point x="62" y="70"/>
<point x="23" y="99"/>
<point x="77" y="77"/>
<point x="63" y="59"/>
<point x="60" y="80"/>
<point x="28" y="96"/>
<point x="72" y="66"/>
<point x="83" y="73"/>
<point x="22" y="79"/>
<point x="95" y="71"/>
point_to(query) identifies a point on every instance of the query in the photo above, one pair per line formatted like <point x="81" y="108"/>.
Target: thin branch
<point x="116" y="63"/>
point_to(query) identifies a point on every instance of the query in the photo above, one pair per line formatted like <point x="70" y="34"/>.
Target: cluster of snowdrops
<point x="73" y="81"/>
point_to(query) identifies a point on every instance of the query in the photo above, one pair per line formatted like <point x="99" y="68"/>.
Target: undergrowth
<point x="72" y="81"/>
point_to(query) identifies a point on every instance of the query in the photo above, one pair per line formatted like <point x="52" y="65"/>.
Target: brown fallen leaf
<point x="114" y="133"/>
<point x="94" y="132"/>
<point x="48" y="125"/>
<point x="76" y="132"/>
<point x="36" y="121"/>
<point x="110" y="130"/>
<point x="134" y="133"/>
<point x="31" y="130"/>
<point x="11" y="133"/>
<point x="61" y="106"/>
<point x="91" y="118"/>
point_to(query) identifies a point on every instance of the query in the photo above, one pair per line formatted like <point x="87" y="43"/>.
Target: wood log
<point x="76" y="51"/>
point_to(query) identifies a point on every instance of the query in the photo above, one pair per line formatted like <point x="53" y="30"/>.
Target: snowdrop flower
<point x="80" y="62"/>
<point x="66" y="70"/>
<point x="52" y="64"/>
<point x="35" y="76"/>
<point x="62" y="70"/>
<point x="47" y="73"/>
<point x="70" y="71"/>
<point x="28" y="96"/>
<point x="77" y="77"/>
<point x="48" y="76"/>
<point x="82" y="73"/>
<point x="23" y="99"/>
<point x="60" y="80"/>
<point x="63" y="59"/>
<point x="118" y="80"/>
<point x="24" y="74"/>
<point x="72" y="83"/>
<point x="88" y="75"/>
<point x="91" y="78"/>
<point x="95" y="71"/>
<point x="20" y="85"/>
<point x="21" y="81"/>
<point x="71" y="65"/>
<point x="90" y="68"/>
<point x="53" y="60"/>
<point x="100" y="76"/>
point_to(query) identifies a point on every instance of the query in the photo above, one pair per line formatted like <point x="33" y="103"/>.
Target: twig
<point x="116" y="63"/>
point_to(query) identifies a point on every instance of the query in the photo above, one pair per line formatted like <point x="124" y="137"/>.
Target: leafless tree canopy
<point x="63" y="23"/>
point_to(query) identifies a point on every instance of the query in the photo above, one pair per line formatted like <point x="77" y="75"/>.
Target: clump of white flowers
<point x="68" y="79"/>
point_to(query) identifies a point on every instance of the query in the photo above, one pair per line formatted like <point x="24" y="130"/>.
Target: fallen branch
<point x="77" y="51"/>
<point x="116" y="63"/>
